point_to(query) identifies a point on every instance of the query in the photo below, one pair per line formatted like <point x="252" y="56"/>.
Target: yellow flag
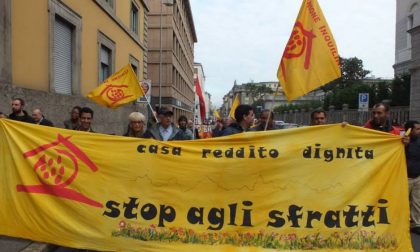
<point x="235" y="104"/>
<point x="120" y="88"/>
<point x="310" y="58"/>
<point x="216" y="114"/>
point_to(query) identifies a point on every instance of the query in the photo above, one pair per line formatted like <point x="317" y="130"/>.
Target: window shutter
<point x="63" y="57"/>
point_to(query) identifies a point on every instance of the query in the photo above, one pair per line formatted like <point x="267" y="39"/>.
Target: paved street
<point x="10" y="244"/>
<point x="13" y="244"/>
<point x="415" y="239"/>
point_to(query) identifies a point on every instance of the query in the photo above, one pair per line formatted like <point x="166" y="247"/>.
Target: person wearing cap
<point x="165" y="130"/>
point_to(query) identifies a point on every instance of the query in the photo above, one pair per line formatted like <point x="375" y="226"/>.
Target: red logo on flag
<point x="300" y="41"/>
<point x="115" y="92"/>
<point x="53" y="175"/>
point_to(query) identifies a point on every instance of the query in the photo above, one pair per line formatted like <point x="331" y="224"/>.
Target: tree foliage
<point x="400" y="90"/>
<point x="348" y="95"/>
<point x="382" y="91"/>
<point x="346" y="89"/>
<point x="307" y="106"/>
<point x="352" y="71"/>
<point x="257" y="91"/>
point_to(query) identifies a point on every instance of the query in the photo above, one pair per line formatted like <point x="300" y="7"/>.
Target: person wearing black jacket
<point x="18" y="114"/>
<point x="244" y="116"/>
<point x="412" y="153"/>
<point x="165" y="130"/>
<point x="39" y="118"/>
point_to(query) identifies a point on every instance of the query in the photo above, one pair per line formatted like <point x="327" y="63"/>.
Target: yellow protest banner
<point x="278" y="190"/>
<point x="310" y="58"/>
<point x="120" y="88"/>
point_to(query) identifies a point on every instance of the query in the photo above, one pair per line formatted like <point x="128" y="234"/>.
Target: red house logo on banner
<point x="57" y="166"/>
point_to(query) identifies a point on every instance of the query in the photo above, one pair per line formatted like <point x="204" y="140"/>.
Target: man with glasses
<point x="136" y="127"/>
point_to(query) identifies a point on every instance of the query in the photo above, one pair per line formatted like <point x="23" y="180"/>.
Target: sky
<point x="243" y="40"/>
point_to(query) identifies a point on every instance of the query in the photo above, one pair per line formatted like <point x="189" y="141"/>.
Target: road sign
<point x="363" y="102"/>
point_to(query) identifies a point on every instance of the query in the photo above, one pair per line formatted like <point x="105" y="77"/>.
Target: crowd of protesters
<point x="165" y="130"/>
<point x="81" y="119"/>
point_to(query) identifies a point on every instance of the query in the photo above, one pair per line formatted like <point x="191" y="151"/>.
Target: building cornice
<point x="191" y="19"/>
<point x="145" y="4"/>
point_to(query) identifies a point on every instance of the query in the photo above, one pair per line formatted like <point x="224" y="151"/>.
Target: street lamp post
<point x="167" y="3"/>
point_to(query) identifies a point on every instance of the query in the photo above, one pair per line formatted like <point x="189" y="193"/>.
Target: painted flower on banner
<point x="358" y="240"/>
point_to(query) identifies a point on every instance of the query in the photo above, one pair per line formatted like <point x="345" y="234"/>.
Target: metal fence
<point x="352" y="116"/>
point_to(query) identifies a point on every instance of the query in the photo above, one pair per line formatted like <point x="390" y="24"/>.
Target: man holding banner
<point x="380" y="119"/>
<point x="318" y="117"/>
<point x="165" y="130"/>
<point x="244" y="116"/>
<point x="344" y="192"/>
<point x="86" y="117"/>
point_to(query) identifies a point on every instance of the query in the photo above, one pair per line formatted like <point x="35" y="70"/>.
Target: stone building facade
<point x="407" y="49"/>
<point x="171" y="39"/>
<point x="269" y="101"/>
<point x="54" y="52"/>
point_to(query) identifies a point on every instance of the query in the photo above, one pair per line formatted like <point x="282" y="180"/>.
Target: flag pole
<point x="148" y="103"/>
<point x="272" y="105"/>
<point x="151" y="109"/>
<point x="194" y="111"/>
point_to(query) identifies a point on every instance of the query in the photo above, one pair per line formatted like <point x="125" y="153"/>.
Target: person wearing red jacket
<point x="380" y="119"/>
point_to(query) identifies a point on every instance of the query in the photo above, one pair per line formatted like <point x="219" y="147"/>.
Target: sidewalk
<point x="11" y="244"/>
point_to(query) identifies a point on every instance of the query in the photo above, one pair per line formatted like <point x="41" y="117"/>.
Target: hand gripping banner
<point x="324" y="188"/>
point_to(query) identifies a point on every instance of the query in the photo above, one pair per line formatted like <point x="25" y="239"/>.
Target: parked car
<point x="287" y="125"/>
<point x="278" y="123"/>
